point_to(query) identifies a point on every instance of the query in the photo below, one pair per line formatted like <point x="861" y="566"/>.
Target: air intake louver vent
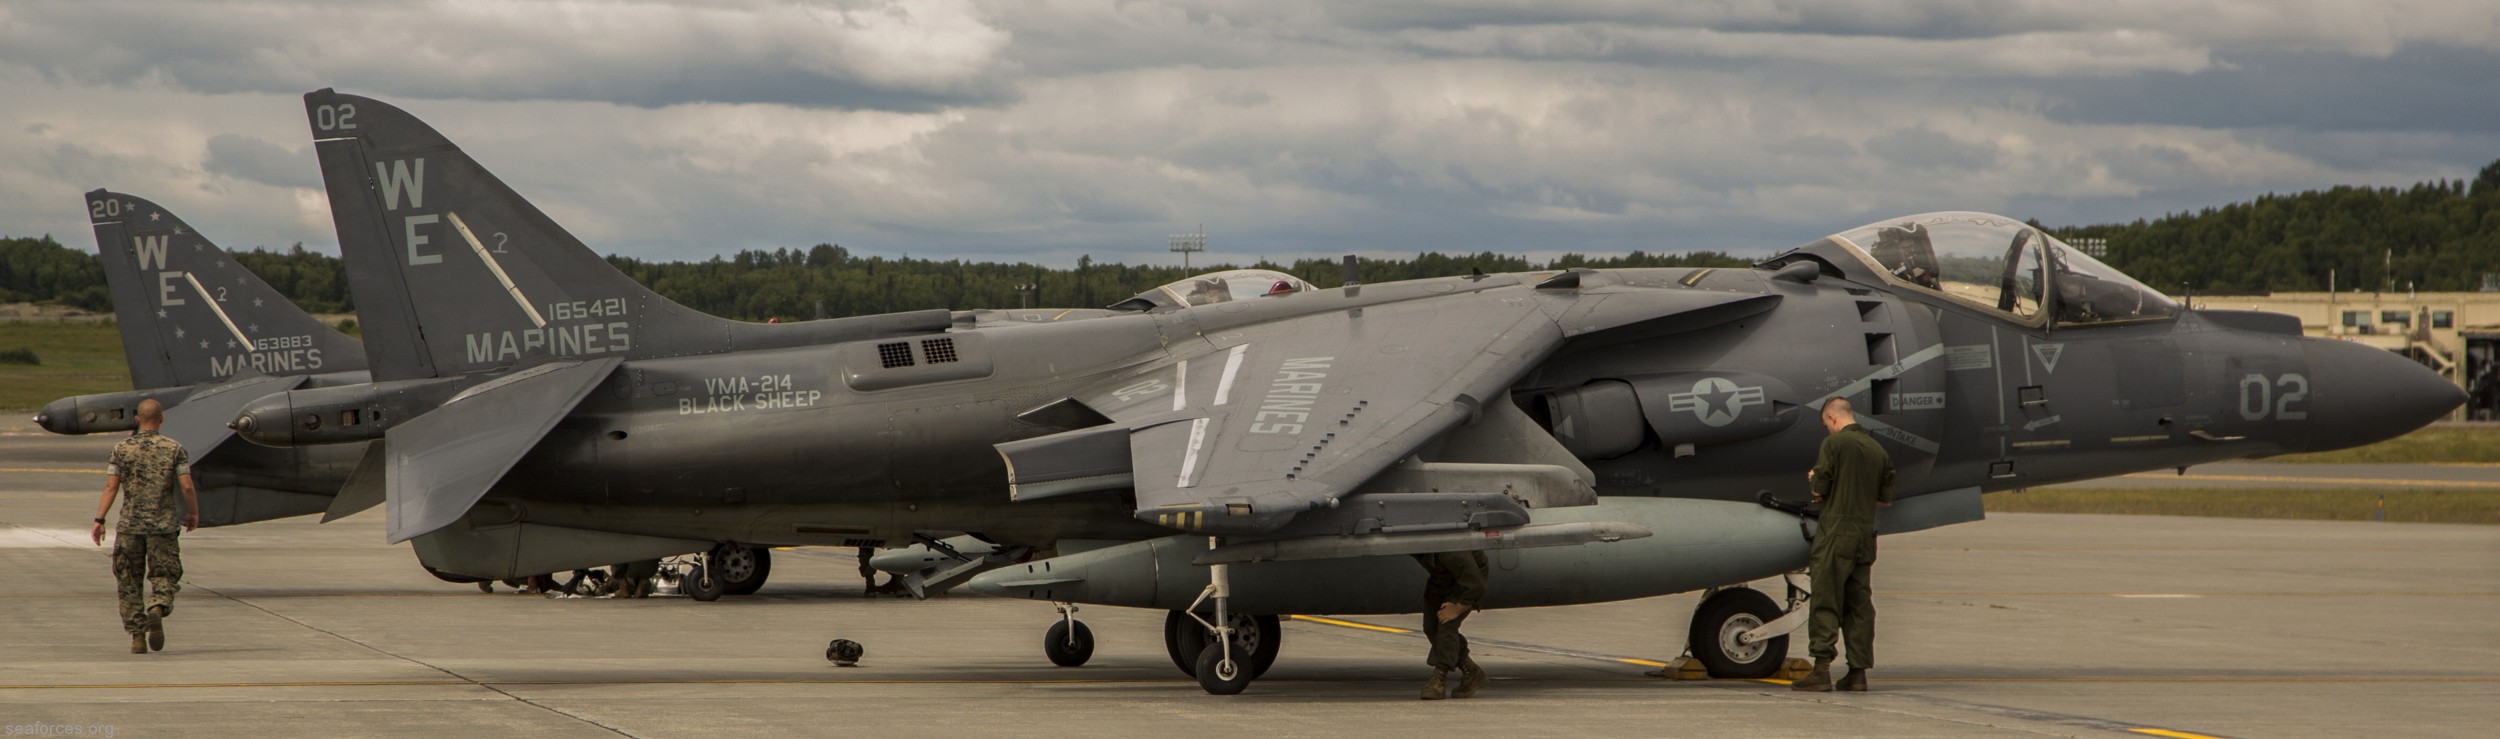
<point x="939" y="351"/>
<point x="897" y="354"/>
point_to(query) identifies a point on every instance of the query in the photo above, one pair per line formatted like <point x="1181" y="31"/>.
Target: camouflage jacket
<point x="151" y="466"/>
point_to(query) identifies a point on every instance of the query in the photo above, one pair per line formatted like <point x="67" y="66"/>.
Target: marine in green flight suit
<point x="1455" y="584"/>
<point x="1852" y="477"/>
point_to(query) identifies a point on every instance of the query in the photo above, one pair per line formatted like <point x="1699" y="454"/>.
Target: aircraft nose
<point x="2364" y="394"/>
<point x="59" y="416"/>
<point x="264" y="422"/>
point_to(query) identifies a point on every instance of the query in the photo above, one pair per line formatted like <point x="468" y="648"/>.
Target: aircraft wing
<point x="1291" y="415"/>
<point x="199" y="422"/>
<point x="441" y="463"/>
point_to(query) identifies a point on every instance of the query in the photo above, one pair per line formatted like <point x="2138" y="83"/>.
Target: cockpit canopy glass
<point x="1217" y="287"/>
<point x="1997" y="262"/>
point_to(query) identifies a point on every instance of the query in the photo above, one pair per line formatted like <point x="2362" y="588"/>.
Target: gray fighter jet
<point x="1242" y="446"/>
<point x="204" y="336"/>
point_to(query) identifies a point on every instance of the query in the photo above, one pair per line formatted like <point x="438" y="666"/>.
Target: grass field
<point x="2323" y="504"/>
<point x="78" y="358"/>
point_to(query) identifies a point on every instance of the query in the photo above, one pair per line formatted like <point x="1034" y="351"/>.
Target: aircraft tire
<point x="1068" y="643"/>
<point x="1213" y="678"/>
<point x="1184" y="639"/>
<point x="1721" y="617"/>
<point x="746" y="577"/>
<point x="704" y="583"/>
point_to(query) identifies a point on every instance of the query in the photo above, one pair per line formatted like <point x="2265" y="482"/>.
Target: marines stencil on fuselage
<point x="1224" y="443"/>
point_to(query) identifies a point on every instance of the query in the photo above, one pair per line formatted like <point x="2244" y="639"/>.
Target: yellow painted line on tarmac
<point x="2364" y="481"/>
<point x="1353" y="625"/>
<point x="1641" y="662"/>
<point x="71" y="470"/>
<point x="2174" y="734"/>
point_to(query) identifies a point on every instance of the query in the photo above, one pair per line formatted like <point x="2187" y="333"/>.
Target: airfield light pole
<point x="1189" y="242"/>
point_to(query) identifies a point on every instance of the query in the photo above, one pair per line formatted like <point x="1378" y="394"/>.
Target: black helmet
<point x="844" y="652"/>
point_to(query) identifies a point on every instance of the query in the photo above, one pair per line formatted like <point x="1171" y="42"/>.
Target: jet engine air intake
<point x="1599" y="420"/>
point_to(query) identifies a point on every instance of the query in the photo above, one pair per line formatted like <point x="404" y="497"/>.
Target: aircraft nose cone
<point x="59" y="416"/>
<point x="264" y="422"/>
<point x="2362" y="394"/>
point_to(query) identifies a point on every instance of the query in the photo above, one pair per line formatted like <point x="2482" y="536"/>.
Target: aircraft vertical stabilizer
<point x="190" y="314"/>
<point x="455" y="273"/>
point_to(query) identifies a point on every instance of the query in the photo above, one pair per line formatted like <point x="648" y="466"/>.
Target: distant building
<point x="2454" y="334"/>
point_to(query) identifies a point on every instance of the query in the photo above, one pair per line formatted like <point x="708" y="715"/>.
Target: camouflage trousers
<point x="1449" y="648"/>
<point x="148" y="568"/>
<point x="1843" y="607"/>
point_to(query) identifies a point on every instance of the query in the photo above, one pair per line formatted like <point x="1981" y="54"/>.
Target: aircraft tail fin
<point x="456" y="273"/>
<point x="190" y="314"/>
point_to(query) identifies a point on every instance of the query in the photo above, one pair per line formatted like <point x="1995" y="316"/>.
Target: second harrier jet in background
<point x="204" y="336"/>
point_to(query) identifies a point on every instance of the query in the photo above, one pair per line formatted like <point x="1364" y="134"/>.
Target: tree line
<point x="2432" y="236"/>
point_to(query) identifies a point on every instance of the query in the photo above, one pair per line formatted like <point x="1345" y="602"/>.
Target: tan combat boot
<point x="138" y="644"/>
<point x="1470" y="679"/>
<point x="156" y="628"/>
<point x="1818" y="681"/>
<point x="1438" y="687"/>
<point x="1854" y="682"/>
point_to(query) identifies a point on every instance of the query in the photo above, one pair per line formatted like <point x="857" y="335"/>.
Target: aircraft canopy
<point x="1216" y="287"/>
<point x="1996" y="262"/>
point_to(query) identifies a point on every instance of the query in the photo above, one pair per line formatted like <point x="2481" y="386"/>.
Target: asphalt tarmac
<point x="2277" y="475"/>
<point x="2022" y="625"/>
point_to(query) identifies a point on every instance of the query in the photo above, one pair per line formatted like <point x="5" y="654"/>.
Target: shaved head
<point x="151" y="413"/>
<point x="1837" y="415"/>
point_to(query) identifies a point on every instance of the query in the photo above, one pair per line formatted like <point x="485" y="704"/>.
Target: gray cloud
<point x="1044" y="129"/>
<point x="251" y="159"/>
<point x="1919" y="148"/>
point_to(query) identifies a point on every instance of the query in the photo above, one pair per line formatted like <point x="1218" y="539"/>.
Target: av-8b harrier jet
<point x="204" y="336"/>
<point x="1247" y="448"/>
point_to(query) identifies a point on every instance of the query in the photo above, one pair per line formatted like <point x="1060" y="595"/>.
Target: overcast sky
<point x="1044" y="129"/>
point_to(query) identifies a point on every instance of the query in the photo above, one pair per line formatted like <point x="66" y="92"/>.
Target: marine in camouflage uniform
<point x="1456" y="583"/>
<point x="148" y="469"/>
<point x="1852" y="477"/>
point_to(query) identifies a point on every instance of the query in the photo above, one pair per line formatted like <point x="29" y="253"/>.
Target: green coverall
<point x="1456" y="577"/>
<point x="1852" y="475"/>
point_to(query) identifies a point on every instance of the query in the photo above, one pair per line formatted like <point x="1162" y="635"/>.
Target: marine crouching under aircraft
<point x="1227" y="451"/>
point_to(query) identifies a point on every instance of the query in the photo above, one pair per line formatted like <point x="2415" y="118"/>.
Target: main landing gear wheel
<point x="1260" y="637"/>
<point x="1068" y="643"/>
<point x="742" y="569"/>
<point x="1220" y="676"/>
<point x="1723" y="617"/>
<point x="705" y="582"/>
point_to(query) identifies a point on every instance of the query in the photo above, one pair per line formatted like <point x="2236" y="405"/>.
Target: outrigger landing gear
<point x="1259" y="636"/>
<point x="1068" y="643"/>
<point x="1221" y="670"/>
<point x="1740" y="633"/>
